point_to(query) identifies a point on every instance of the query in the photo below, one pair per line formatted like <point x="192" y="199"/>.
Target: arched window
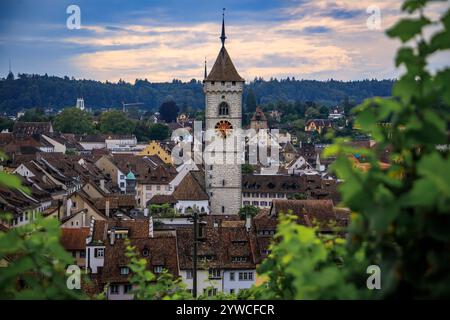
<point x="223" y="109"/>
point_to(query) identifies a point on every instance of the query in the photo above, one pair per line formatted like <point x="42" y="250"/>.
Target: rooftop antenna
<point x="223" y="36"/>
<point x="206" y="72"/>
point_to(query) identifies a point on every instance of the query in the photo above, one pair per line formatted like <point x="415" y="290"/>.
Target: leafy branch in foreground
<point x="402" y="213"/>
<point x="34" y="262"/>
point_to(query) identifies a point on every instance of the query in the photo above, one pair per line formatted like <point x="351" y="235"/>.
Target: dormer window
<point x="213" y="83"/>
<point x="223" y="83"/>
<point x="124" y="270"/>
<point x="233" y="83"/>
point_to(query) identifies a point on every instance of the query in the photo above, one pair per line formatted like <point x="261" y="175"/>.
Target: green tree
<point x="73" y="120"/>
<point x="312" y="113"/>
<point x="159" y="131"/>
<point x="34" y="115"/>
<point x="248" y="211"/>
<point x="116" y="122"/>
<point x="250" y="101"/>
<point x="247" y="168"/>
<point x="6" y="124"/>
<point x="169" y="111"/>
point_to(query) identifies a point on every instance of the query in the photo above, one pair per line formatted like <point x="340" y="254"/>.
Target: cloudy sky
<point x="162" y="40"/>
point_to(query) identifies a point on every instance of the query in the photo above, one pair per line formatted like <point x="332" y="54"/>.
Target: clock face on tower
<point x="223" y="128"/>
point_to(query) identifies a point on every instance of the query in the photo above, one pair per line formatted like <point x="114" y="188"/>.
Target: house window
<point x="127" y="288"/>
<point x="255" y="203"/>
<point x="158" y="269"/>
<point x="223" y="109"/>
<point x="158" y="188"/>
<point x="82" y="254"/>
<point x="124" y="270"/>
<point x="238" y="259"/>
<point x="245" y="276"/>
<point x="189" y="274"/>
<point x="210" y="291"/>
<point x="148" y="187"/>
<point x="214" y="273"/>
<point x="233" y="83"/>
<point x="99" y="252"/>
<point x="74" y="204"/>
<point x="114" y="289"/>
<point x="122" y="177"/>
<point x="246" y="203"/>
<point x="122" y="184"/>
<point x="231" y="291"/>
<point x="231" y="276"/>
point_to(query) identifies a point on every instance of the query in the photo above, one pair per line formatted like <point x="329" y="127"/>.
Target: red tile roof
<point x="74" y="238"/>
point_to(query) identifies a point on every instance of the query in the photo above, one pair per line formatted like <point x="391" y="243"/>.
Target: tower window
<point x="223" y="83"/>
<point x="223" y="109"/>
<point x="213" y="83"/>
<point x="233" y="83"/>
<point x="223" y="183"/>
<point x="223" y="209"/>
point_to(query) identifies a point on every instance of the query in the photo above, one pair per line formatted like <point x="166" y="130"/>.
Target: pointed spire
<point x="223" y="36"/>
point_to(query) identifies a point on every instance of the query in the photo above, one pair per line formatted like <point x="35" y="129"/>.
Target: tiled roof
<point x="162" y="199"/>
<point x="225" y="238"/>
<point x="137" y="228"/>
<point x="189" y="189"/>
<point x="74" y="238"/>
<point x="273" y="183"/>
<point x="30" y="128"/>
<point x="223" y="69"/>
<point x="309" y="212"/>
<point x="161" y="252"/>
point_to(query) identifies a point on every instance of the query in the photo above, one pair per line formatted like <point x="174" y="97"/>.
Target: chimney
<point x="150" y="227"/>
<point x="112" y="237"/>
<point x="248" y="222"/>
<point x="102" y="185"/>
<point x="107" y="207"/>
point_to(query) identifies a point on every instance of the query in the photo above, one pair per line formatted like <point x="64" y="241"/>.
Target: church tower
<point x="223" y="88"/>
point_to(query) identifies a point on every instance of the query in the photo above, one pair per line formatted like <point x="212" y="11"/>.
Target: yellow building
<point x="154" y="148"/>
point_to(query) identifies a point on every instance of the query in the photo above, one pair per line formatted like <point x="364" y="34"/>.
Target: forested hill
<point x="48" y="91"/>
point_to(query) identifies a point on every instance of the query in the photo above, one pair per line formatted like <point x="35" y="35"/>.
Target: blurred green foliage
<point x="401" y="215"/>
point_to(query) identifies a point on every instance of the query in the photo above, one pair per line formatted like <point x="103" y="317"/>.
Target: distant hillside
<point x="29" y="91"/>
